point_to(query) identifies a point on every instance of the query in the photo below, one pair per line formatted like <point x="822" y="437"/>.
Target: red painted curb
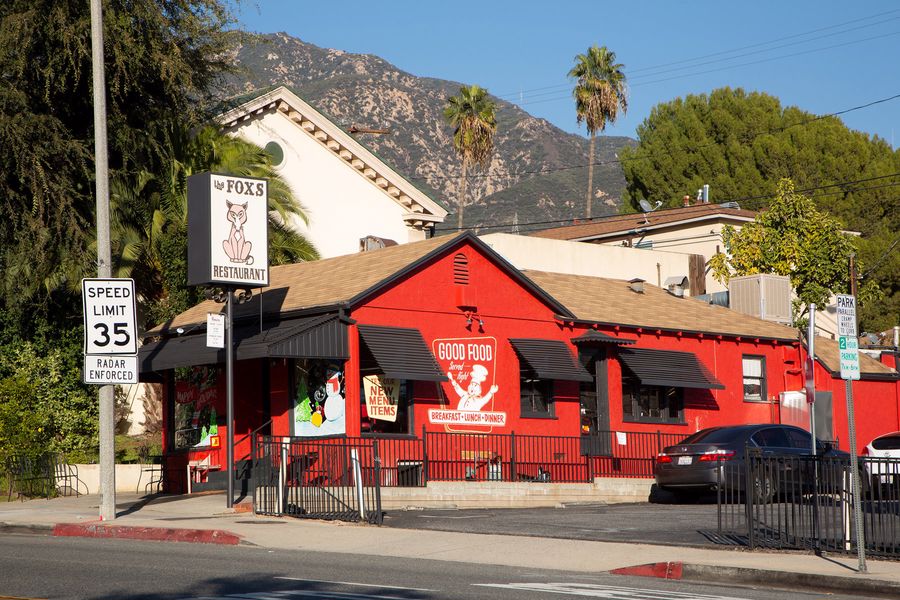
<point x="160" y="534"/>
<point x="663" y="570"/>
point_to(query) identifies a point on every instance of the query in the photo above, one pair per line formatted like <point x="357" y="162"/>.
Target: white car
<point x="883" y="458"/>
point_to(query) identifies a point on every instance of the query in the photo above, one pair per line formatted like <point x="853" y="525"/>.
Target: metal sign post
<point x="810" y="370"/>
<point x="229" y="393"/>
<point x="849" y="356"/>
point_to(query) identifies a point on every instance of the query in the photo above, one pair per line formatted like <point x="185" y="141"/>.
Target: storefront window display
<point x="386" y="405"/>
<point x="196" y="398"/>
<point x="319" y="398"/>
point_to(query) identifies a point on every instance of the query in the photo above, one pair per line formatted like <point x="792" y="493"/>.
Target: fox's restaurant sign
<point x="228" y="230"/>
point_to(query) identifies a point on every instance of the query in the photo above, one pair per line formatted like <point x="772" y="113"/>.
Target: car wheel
<point x="763" y="488"/>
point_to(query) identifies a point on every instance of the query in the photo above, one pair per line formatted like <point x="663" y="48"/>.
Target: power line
<point x="731" y="51"/>
<point x="881" y="258"/>
<point x="727" y="67"/>
<point x="842" y="184"/>
<point x="747" y="140"/>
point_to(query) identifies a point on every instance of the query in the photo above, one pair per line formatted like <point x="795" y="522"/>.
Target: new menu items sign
<point x="228" y="235"/>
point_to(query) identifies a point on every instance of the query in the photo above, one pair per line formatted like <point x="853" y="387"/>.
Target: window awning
<point x="549" y="359"/>
<point x="322" y="336"/>
<point x="398" y="353"/>
<point x="595" y="337"/>
<point x="669" y="368"/>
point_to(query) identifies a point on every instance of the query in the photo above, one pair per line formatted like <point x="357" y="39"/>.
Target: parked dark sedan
<point x="715" y="458"/>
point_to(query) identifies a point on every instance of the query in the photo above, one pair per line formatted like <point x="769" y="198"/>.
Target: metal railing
<point x="321" y="479"/>
<point x="627" y="453"/>
<point x="44" y="475"/>
<point x="806" y="502"/>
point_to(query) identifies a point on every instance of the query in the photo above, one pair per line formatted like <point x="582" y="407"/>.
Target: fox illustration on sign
<point x="237" y="247"/>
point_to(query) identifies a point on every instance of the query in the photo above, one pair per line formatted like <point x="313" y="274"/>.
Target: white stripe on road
<point x="282" y="594"/>
<point x="604" y="591"/>
<point x="372" y="585"/>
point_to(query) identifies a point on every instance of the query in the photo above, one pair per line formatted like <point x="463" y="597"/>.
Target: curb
<point x="159" y="534"/>
<point x="858" y="584"/>
<point x="29" y="529"/>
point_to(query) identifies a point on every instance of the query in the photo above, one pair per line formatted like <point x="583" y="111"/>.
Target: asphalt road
<point x="668" y="524"/>
<point x="104" y="569"/>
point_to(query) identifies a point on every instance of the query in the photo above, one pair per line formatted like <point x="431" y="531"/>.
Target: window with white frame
<point x="754" y="369"/>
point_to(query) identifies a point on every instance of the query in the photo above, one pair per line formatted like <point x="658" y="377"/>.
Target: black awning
<point x="322" y="336"/>
<point x="549" y="359"/>
<point x="595" y="337"/>
<point x="398" y="353"/>
<point x="668" y="368"/>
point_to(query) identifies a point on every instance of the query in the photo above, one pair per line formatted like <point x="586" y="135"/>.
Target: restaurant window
<point x="754" y="368"/>
<point x="651" y="403"/>
<point x="536" y="396"/>
<point x="386" y="409"/>
<point x="318" y="398"/>
<point x="196" y="407"/>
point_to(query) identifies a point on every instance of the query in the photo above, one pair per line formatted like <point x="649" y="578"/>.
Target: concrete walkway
<point x="205" y="518"/>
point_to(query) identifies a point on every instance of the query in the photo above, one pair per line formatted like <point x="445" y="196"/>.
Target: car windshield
<point x="712" y="436"/>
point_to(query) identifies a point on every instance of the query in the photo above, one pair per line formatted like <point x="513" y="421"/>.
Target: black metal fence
<point x="45" y="475"/>
<point x="806" y="502"/>
<point x="341" y="478"/>
<point x="322" y="479"/>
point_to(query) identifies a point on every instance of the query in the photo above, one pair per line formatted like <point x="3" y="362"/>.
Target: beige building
<point x="690" y="230"/>
<point x="349" y="193"/>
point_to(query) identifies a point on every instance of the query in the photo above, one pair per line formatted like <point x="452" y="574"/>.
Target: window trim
<point x="763" y="380"/>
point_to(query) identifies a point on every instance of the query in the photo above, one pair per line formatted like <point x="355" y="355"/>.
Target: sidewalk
<point x="205" y="518"/>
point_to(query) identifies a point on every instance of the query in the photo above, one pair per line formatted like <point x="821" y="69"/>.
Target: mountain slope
<point x="530" y="177"/>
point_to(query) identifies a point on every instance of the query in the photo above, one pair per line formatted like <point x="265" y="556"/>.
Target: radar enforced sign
<point x="110" y="331"/>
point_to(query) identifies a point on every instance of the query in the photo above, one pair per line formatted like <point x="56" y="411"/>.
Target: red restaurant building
<point x="444" y="335"/>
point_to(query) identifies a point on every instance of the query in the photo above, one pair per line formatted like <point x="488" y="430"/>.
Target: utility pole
<point x="104" y="260"/>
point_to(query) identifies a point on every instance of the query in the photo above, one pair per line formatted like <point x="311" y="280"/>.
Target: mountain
<point x="538" y="172"/>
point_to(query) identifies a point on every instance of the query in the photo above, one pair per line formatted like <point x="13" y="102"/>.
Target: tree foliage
<point x="600" y="92"/>
<point x="743" y="144"/>
<point x="163" y="59"/>
<point x="43" y="405"/>
<point x="790" y="238"/>
<point x="472" y="114"/>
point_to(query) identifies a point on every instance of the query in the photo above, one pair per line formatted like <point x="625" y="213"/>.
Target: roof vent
<point x="371" y="242"/>
<point x="636" y="285"/>
<point x="675" y="285"/>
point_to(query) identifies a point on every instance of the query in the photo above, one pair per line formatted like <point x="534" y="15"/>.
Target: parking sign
<point x="848" y="345"/>
<point x="109" y="316"/>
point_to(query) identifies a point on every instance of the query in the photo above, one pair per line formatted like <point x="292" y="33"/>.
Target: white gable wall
<point x="342" y="204"/>
<point x="596" y="260"/>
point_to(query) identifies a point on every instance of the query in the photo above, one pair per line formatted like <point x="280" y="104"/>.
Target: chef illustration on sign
<point x="470" y="399"/>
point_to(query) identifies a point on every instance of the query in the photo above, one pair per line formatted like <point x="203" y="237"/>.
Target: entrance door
<point x="595" y="435"/>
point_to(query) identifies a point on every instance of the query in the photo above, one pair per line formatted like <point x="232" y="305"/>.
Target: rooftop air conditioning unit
<point x="765" y="296"/>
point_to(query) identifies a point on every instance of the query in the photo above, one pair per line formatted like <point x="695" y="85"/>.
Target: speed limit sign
<point x="109" y="316"/>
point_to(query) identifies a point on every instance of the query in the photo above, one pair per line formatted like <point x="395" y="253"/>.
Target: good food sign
<point x="228" y="235"/>
<point x="470" y="366"/>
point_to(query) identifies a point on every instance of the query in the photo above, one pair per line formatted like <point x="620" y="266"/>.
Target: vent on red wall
<point x="460" y="269"/>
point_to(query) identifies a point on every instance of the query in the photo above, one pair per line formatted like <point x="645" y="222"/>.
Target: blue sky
<point x="824" y="56"/>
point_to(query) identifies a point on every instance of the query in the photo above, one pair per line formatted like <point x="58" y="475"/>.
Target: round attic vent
<point x="275" y="151"/>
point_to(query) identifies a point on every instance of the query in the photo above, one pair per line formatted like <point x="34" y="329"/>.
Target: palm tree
<point x="599" y="94"/>
<point x="473" y="118"/>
